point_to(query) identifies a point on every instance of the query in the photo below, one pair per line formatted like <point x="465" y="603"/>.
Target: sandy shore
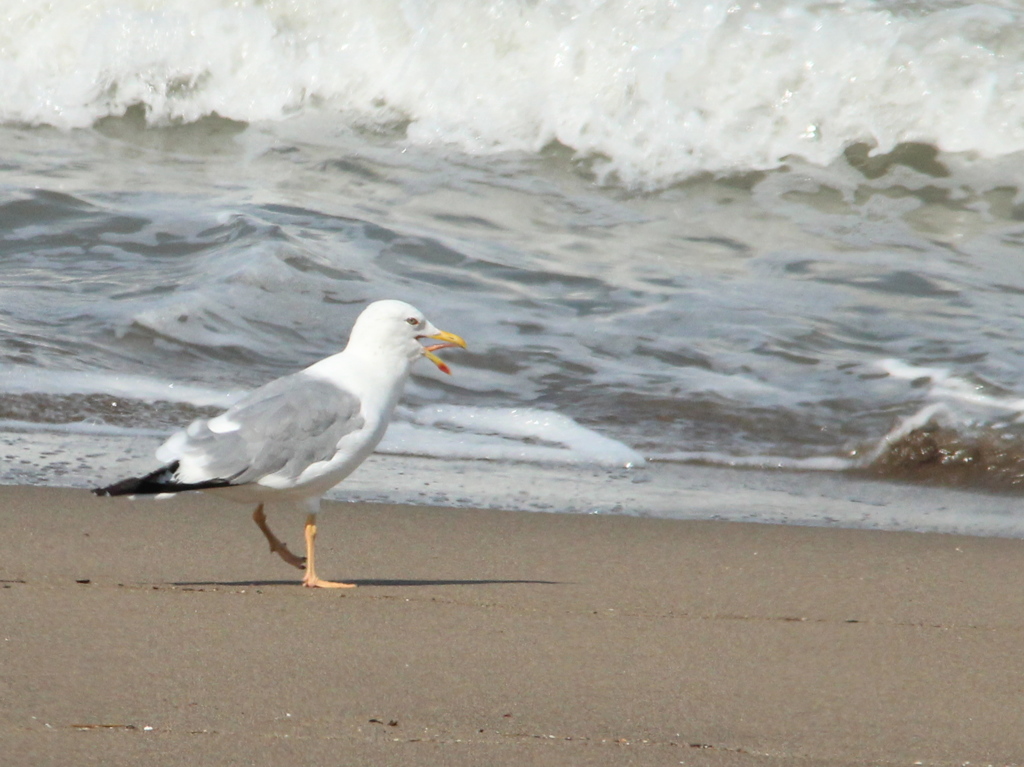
<point x="164" y="633"/>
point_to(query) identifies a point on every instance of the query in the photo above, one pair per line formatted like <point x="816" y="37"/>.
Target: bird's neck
<point x="373" y="375"/>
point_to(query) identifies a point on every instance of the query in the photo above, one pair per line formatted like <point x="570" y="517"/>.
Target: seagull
<point x="296" y="437"/>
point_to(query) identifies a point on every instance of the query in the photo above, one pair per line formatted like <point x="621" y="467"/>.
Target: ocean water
<point x="679" y="237"/>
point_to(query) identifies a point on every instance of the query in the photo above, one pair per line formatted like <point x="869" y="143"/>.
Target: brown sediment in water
<point x="935" y="454"/>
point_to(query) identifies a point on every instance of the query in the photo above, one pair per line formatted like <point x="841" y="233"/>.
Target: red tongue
<point x="435" y="347"/>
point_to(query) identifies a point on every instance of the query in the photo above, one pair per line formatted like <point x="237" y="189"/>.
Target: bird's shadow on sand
<point x="366" y="582"/>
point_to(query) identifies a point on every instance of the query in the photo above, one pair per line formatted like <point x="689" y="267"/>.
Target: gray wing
<point x="284" y="426"/>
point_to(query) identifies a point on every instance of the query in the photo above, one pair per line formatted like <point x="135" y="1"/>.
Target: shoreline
<point x="661" y="490"/>
<point x="503" y="638"/>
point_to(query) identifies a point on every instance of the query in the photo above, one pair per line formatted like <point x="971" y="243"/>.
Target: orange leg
<point x="275" y="545"/>
<point x="310" y="580"/>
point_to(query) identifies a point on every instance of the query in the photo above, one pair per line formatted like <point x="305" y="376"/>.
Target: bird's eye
<point x="413" y="321"/>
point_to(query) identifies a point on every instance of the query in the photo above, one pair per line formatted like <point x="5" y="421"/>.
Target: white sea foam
<point x="508" y="434"/>
<point x="659" y="89"/>
<point x="17" y="379"/>
<point x="947" y="388"/>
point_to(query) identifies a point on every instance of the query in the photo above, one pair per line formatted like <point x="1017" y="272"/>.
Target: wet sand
<point x="165" y="633"/>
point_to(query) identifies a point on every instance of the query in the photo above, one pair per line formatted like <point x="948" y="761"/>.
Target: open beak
<point x="448" y="341"/>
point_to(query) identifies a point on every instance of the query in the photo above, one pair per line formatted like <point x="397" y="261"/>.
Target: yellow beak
<point x="448" y="340"/>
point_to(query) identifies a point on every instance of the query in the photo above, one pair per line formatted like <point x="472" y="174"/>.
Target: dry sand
<point x="165" y="633"/>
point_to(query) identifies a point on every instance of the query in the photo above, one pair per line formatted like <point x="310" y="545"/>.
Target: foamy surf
<point x="505" y="434"/>
<point x="649" y="93"/>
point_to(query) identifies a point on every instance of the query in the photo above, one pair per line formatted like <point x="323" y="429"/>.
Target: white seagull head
<point x="395" y="328"/>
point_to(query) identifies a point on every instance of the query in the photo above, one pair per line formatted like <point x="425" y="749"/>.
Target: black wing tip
<point x="155" y="483"/>
<point x="130" y="486"/>
<point x="150" y="484"/>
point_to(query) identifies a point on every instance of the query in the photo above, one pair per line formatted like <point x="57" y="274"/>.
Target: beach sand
<point x="165" y="633"/>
